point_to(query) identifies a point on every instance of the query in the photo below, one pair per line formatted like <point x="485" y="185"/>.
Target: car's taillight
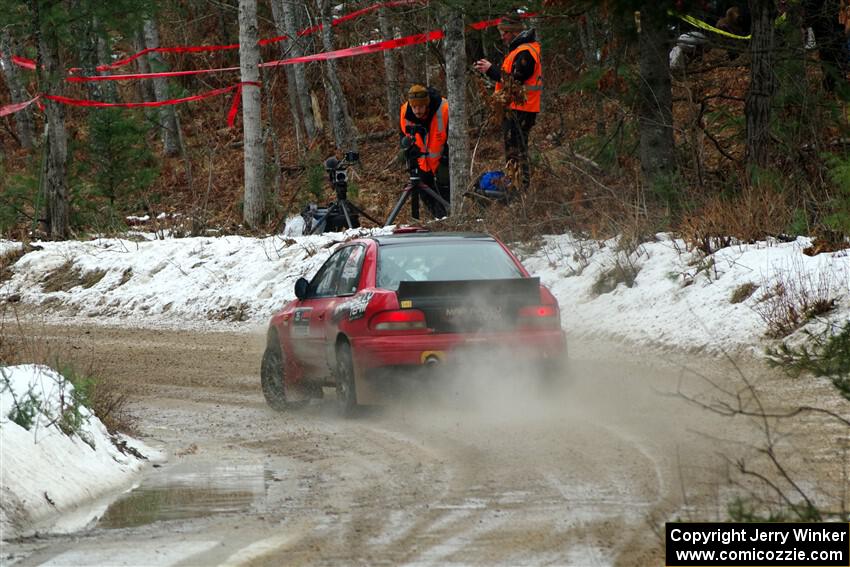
<point x="398" y="320"/>
<point x="539" y="316"/>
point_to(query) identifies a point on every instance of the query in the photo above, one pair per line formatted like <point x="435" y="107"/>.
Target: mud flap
<point x="365" y="391"/>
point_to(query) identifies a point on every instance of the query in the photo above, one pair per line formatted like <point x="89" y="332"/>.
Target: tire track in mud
<point x="573" y="479"/>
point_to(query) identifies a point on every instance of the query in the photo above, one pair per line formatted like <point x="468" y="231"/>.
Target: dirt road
<point x="505" y="477"/>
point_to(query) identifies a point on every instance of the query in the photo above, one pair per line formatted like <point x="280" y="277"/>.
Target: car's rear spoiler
<point x="525" y="289"/>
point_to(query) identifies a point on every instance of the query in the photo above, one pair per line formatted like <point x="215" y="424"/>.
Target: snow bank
<point x="679" y="299"/>
<point x="45" y="472"/>
<point x="194" y="280"/>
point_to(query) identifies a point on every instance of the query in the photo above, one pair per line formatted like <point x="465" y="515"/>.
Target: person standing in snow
<point x="425" y="117"/>
<point x="522" y="66"/>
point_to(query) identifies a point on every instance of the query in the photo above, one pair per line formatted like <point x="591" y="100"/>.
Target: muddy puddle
<point x="191" y="491"/>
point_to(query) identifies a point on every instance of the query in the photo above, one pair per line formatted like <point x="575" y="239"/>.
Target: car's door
<point x="322" y="297"/>
<point x="304" y="311"/>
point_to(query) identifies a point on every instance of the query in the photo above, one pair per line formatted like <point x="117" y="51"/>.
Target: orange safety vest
<point x="434" y="142"/>
<point x="534" y="84"/>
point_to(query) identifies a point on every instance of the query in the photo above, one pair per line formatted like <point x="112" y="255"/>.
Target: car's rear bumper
<point x="418" y="350"/>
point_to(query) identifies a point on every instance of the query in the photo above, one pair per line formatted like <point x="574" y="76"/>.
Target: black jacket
<point x="524" y="63"/>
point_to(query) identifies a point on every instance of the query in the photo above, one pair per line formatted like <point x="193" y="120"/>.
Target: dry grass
<point x="743" y="292"/>
<point x="27" y="342"/>
<point x="63" y="278"/>
<point x="752" y="215"/>
<point x="7" y="260"/>
<point x="794" y="297"/>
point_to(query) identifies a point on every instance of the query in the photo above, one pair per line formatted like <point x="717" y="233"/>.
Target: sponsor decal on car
<point x="301" y="321"/>
<point x="354" y="308"/>
<point x="463" y="312"/>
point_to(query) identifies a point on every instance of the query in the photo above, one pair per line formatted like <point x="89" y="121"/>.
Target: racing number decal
<point x="301" y="321"/>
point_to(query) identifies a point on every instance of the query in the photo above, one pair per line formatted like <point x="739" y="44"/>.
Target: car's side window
<point x="324" y="283"/>
<point x="350" y="275"/>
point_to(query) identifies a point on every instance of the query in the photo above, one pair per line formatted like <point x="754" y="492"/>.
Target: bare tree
<point x="54" y="179"/>
<point x="103" y="51"/>
<point x="291" y="87"/>
<point x="145" y="87"/>
<point x="23" y="119"/>
<point x="390" y="70"/>
<point x="345" y="135"/>
<point x="305" y="105"/>
<point x="657" y="150"/>
<point x="169" y="128"/>
<point x="414" y="58"/>
<point x="252" y="126"/>
<point x="455" y="53"/>
<point x="757" y="107"/>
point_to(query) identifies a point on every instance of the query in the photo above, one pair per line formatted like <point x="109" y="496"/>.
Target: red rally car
<point x="385" y="304"/>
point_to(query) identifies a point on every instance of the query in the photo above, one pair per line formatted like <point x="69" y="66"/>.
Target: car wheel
<point x="271" y="380"/>
<point x="346" y="394"/>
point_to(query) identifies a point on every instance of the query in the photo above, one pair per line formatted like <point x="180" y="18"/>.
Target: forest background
<point x="747" y="140"/>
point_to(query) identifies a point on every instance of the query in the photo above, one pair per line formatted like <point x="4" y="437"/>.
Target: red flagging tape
<point x="162" y="74"/>
<point x="30" y="64"/>
<point x="360" y="49"/>
<point x="234" y="107"/>
<point x="98" y="104"/>
<point x="12" y="108"/>
<point x="433" y="35"/>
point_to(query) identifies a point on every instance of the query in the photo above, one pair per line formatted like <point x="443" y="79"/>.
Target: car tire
<point x="271" y="380"/>
<point x="346" y="393"/>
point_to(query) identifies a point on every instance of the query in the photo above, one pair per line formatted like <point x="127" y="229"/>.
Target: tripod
<point x="340" y="210"/>
<point x="414" y="187"/>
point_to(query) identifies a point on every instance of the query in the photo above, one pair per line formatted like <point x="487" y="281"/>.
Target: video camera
<point x="408" y="142"/>
<point x="337" y="174"/>
<point x="339" y="214"/>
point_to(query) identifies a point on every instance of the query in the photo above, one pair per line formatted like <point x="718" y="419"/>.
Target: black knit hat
<point x="510" y="22"/>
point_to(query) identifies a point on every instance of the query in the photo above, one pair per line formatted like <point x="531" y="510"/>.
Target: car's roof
<point x="430" y="237"/>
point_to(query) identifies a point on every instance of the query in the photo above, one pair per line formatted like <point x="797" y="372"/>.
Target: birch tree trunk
<point x="54" y="181"/>
<point x="145" y="87"/>
<point x="390" y="70"/>
<point x="656" y="100"/>
<point x="345" y="135"/>
<point x="23" y="119"/>
<point x="588" y="42"/>
<point x="291" y="87"/>
<point x="167" y="117"/>
<point x="454" y="49"/>
<point x="110" y="88"/>
<point x="252" y="127"/>
<point x="414" y="58"/>
<point x="305" y="105"/>
<point x="757" y="106"/>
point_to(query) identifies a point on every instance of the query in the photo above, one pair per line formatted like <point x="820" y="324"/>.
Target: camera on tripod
<point x="341" y="213"/>
<point x="336" y="169"/>
<point x="408" y="142"/>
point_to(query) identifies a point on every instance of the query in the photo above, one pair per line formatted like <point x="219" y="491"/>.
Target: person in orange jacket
<point x="523" y="63"/>
<point x="425" y="115"/>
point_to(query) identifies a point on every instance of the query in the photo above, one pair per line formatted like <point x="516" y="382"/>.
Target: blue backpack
<point x="493" y="184"/>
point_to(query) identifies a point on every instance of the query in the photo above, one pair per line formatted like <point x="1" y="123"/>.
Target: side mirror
<point x="301" y="288"/>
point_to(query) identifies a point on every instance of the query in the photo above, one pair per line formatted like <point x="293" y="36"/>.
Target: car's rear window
<point x="443" y="261"/>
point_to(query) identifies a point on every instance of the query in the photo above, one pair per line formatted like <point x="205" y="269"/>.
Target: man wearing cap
<point x="523" y="64"/>
<point x="428" y="112"/>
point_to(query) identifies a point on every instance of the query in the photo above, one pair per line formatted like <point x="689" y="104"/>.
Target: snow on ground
<point x="682" y="299"/>
<point x="45" y="471"/>
<point x="679" y="299"/>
